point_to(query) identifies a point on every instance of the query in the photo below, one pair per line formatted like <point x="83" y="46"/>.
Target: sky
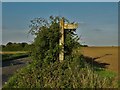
<point x="98" y="22"/>
<point x="60" y="0"/>
<point x="0" y="23"/>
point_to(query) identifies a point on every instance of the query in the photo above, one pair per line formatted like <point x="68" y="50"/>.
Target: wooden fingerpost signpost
<point x="61" y="41"/>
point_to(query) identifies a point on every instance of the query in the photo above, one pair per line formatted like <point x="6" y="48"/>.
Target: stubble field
<point x="108" y="55"/>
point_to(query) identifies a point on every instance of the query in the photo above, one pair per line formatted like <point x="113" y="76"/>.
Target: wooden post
<point x="61" y="42"/>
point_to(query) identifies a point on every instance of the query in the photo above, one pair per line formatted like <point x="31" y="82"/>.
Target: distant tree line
<point x="84" y="45"/>
<point x="16" y="46"/>
<point x="20" y="46"/>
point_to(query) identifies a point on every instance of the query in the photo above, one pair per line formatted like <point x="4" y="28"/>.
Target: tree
<point x="46" y="44"/>
<point x="16" y="46"/>
<point x="9" y="43"/>
<point x="23" y="44"/>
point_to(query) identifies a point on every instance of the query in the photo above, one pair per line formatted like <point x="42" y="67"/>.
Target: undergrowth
<point x="68" y="74"/>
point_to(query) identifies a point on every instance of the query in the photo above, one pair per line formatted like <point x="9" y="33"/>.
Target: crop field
<point x="12" y="52"/>
<point x="104" y="55"/>
<point x="10" y="55"/>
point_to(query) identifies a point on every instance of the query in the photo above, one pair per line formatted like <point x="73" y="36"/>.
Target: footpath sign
<point x="61" y="41"/>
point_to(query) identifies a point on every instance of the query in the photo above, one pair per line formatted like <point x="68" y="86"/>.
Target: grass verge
<point x="68" y="74"/>
<point x="7" y="57"/>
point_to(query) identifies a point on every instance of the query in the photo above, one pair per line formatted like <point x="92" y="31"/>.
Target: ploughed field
<point x="107" y="55"/>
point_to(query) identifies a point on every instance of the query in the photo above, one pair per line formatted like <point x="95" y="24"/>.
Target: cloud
<point x="15" y="35"/>
<point x="82" y="23"/>
<point x="98" y="30"/>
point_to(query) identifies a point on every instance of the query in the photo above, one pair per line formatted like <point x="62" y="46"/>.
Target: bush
<point x="46" y="44"/>
<point x="68" y="74"/>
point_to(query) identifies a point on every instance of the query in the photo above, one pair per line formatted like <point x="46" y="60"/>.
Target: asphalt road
<point x="10" y="67"/>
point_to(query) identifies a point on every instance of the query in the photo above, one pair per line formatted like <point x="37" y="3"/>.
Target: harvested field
<point x="12" y="52"/>
<point x="107" y="55"/>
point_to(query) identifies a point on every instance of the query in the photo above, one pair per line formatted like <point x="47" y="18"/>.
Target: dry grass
<point x="12" y="52"/>
<point x="104" y="55"/>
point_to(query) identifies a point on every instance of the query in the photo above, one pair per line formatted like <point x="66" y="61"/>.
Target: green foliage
<point x="7" y="57"/>
<point x="106" y="73"/>
<point x="46" y="44"/>
<point x="15" y="47"/>
<point x="68" y="74"/>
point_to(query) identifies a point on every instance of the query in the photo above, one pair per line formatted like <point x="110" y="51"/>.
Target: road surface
<point x="10" y="67"/>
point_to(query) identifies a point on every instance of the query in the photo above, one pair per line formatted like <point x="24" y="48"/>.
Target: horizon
<point x="81" y="44"/>
<point x="98" y="22"/>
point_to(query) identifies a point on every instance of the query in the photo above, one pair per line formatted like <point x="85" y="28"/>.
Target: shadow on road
<point x="18" y="61"/>
<point x="10" y="63"/>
